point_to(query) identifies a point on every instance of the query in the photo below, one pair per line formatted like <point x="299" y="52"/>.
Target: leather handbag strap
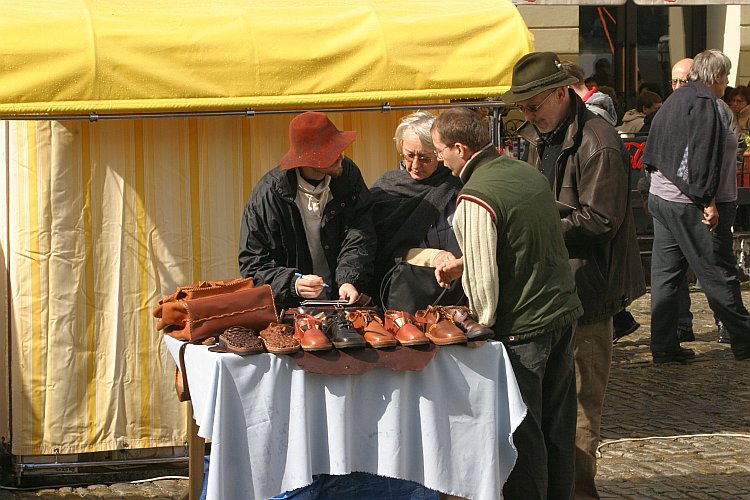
<point x="185" y="396"/>
<point x="386" y="283"/>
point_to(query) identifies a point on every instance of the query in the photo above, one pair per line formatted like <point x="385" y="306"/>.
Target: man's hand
<point x="449" y="271"/>
<point x="442" y="258"/>
<point x="348" y="293"/>
<point x="711" y="216"/>
<point x="309" y="286"/>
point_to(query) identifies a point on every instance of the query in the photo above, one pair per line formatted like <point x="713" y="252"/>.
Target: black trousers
<point x="545" y="440"/>
<point x="681" y="239"/>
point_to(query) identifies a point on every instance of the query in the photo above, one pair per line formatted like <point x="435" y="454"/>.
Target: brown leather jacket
<point x="591" y="187"/>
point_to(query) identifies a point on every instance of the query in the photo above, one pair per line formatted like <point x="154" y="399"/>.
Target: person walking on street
<point x="691" y="154"/>
<point x="586" y="165"/>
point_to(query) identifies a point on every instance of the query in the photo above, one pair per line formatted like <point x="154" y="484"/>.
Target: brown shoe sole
<point x="446" y="341"/>
<point x="408" y="343"/>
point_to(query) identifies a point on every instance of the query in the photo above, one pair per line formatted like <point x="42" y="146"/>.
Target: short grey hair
<point x="419" y="122"/>
<point x="708" y="66"/>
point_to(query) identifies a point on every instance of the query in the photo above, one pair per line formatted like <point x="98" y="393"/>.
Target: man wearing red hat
<point x="307" y="229"/>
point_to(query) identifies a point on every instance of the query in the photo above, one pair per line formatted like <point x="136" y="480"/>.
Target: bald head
<point x="680" y="71"/>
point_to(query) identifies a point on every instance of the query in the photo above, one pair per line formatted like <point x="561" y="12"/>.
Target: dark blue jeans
<point x="681" y="239"/>
<point x="545" y="440"/>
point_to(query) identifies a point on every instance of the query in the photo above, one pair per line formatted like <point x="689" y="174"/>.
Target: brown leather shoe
<point x="462" y="318"/>
<point x="439" y="326"/>
<point x="403" y="326"/>
<point x="308" y="331"/>
<point x="371" y="327"/>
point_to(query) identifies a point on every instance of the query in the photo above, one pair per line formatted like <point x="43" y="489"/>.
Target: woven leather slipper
<point x="279" y="339"/>
<point x="239" y="340"/>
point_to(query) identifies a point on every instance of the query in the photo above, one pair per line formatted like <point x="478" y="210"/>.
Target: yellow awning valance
<point x="138" y="56"/>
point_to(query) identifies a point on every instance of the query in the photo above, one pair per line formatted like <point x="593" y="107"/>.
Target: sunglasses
<point x="676" y="81"/>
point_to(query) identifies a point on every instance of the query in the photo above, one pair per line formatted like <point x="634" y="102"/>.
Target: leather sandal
<point x="280" y="339"/>
<point x="239" y="340"/>
<point x="372" y="329"/>
<point x="404" y="328"/>
<point x="307" y="330"/>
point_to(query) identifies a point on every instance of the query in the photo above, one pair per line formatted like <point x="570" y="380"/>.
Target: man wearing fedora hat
<point x="307" y="228"/>
<point x="586" y="165"/>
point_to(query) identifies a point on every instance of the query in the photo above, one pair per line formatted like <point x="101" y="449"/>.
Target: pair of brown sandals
<point x="276" y="338"/>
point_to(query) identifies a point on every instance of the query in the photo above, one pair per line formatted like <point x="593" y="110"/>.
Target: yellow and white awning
<point x="102" y="219"/>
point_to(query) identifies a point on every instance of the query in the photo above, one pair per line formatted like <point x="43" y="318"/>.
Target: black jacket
<point x="273" y="245"/>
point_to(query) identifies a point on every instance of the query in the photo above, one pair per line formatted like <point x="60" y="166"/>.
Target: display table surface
<point x="272" y="425"/>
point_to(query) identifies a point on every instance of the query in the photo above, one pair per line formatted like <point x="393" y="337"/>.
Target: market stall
<point x="132" y="134"/>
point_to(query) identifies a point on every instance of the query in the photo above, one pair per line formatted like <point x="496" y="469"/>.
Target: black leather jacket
<point x="592" y="177"/>
<point x="273" y="245"/>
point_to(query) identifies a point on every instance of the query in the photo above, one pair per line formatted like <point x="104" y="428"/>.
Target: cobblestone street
<point x="670" y="431"/>
<point x="705" y="402"/>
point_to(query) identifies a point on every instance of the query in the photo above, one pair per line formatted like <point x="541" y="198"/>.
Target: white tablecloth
<point x="272" y="425"/>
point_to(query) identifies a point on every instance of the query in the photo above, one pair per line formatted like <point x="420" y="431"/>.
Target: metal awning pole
<point x="385" y="107"/>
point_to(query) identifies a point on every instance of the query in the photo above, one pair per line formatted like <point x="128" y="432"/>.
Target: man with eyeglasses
<point x="586" y="165"/>
<point x="516" y="276"/>
<point x="679" y="72"/>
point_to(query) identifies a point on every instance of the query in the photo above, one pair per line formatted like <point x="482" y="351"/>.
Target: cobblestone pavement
<point x="669" y="431"/>
<point x="674" y="430"/>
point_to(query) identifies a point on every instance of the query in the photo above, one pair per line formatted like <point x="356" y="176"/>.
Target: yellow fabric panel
<point x="77" y="56"/>
<point x="104" y="219"/>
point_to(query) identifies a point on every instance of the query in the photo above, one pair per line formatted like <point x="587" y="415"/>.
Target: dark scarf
<point x="404" y="209"/>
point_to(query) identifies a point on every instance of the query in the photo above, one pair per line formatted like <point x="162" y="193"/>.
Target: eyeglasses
<point x="678" y="81"/>
<point x="439" y="152"/>
<point x="421" y="158"/>
<point x="533" y="108"/>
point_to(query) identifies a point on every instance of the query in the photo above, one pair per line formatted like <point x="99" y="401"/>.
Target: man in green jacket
<point x="516" y="276"/>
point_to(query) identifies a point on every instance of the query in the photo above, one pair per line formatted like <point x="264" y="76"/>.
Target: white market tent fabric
<point x="103" y="218"/>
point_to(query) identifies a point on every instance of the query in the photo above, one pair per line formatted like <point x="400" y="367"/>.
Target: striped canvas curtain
<point x="101" y="220"/>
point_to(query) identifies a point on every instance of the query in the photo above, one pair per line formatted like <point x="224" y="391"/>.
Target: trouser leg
<point x="593" y="356"/>
<point x="711" y="256"/>
<point x="668" y="268"/>
<point x="559" y="415"/>
<point x="539" y="366"/>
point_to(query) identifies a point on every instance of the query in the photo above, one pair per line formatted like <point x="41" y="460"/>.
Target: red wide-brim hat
<point x="315" y="142"/>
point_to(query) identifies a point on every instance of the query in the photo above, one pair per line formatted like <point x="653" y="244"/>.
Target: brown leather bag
<point x="196" y="313"/>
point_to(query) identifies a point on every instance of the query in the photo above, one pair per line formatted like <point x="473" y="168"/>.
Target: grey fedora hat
<point x="534" y="73"/>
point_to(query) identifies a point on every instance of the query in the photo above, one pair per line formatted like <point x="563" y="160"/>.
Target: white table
<point x="272" y="425"/>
